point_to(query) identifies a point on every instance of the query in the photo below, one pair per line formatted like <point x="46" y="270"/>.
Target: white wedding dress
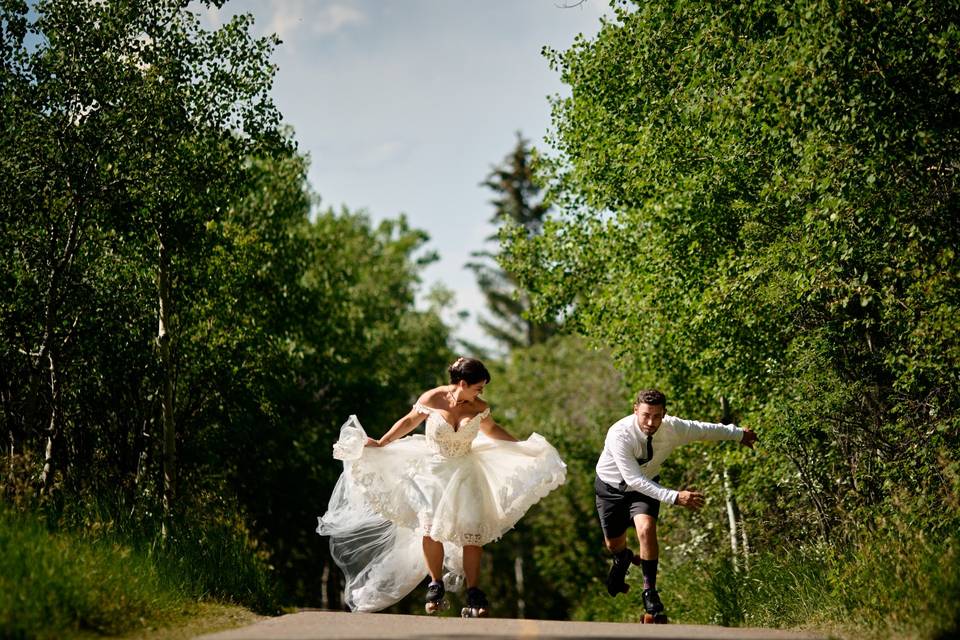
<point x="455" y="485"/>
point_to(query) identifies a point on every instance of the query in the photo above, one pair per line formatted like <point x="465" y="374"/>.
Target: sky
<point x="405" y="106"/>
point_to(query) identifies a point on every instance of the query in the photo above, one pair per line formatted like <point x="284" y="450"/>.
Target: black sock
<point x="649" y="568"/>
<point x="624" y="555"/>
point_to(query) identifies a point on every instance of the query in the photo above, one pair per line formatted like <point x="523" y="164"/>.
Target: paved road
<point x="327" y="625"/>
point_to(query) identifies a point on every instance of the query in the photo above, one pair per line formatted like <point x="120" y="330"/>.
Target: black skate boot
<point x="618" y="572"/>
<point x="436" y="598"/>
<point x="477" y="604"/>
<point x="653" y="608"/>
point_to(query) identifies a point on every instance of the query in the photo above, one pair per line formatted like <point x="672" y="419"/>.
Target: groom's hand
<point x="692" y="500"/>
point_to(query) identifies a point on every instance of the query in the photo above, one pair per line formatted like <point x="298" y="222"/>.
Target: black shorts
<point x="617" y="507"/>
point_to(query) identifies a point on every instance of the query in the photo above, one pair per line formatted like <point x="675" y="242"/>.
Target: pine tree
<point x="517" y="202"/>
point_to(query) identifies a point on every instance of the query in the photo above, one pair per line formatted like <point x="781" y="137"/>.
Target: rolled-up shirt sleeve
<point x="621" y="449"/>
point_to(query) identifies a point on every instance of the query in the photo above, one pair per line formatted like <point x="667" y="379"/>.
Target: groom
<point x="628" y="491"/>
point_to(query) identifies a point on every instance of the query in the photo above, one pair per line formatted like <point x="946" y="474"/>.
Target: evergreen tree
<point x="517" y="204"/>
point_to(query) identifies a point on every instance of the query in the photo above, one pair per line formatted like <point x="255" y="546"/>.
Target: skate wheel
<point x="433" y="607"/>
<point x="472" y="612"/>
<point x="651" y="618"/>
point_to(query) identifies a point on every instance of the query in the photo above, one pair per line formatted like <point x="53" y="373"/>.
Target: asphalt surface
<point x="328" y="625"/>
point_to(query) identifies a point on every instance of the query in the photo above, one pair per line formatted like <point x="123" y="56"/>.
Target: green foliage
<point x="744" y="192"/>
<point x="127" y="127"/>
<point x="52" y="583"/>
<point x="759" y="202"/>
<point x="885" y="585"/>
<point x="357" y="337"/>
<point x="758" y="205"/>
<point x="726" y="593"/>
<point x="860" y="592"/>
<point x="569" y="392"/>
<point x="219" y="560"/>
<point x="93" y="566"/>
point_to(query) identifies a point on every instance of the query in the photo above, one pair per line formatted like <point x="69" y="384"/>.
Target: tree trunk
<point x="53" y="428"/>
<point x="733" y="512"/>
<point x="49" y="348"/>
<point x="518" y="575"/>
<point x="746" y="544"/>
<point x="6" y="399"/>
<point x="166" y="366"/>
<point x="143" y="457"/>
<point x="733" y="519"/>
<point x="324" y="590"/>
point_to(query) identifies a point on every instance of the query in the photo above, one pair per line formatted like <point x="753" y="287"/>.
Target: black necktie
<point x="649" y="450"/>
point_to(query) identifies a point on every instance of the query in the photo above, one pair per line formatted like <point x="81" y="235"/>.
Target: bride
<point x="435" y="499"/>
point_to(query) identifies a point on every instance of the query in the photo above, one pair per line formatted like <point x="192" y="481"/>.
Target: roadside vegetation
<point x="102" y="578"/>
<point x="751" y="207"/>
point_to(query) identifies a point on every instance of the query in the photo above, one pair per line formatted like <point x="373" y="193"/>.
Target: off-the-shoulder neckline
<point x="436" y="412"/>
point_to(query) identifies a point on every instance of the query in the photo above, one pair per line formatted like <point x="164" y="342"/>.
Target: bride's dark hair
<point x="470" y="370"/>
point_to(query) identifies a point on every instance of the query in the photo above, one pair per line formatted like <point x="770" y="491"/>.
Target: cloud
<point x="289" y="16"/>
<point x="334" y="17"/>
<point x="285" y="19"/>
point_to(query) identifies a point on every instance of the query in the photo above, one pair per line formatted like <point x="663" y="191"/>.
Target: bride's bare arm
<point x="400" y="428"/>
<point x="495" y="431"/>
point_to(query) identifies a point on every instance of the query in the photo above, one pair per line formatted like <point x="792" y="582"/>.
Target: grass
<point x="209" y="617"/>
<point x="94" y="581"/>
<point x="889" y="583"/>
<point x="51" y="583"/>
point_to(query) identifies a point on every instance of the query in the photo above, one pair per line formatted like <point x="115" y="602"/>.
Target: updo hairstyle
<point x="470" y="370"/>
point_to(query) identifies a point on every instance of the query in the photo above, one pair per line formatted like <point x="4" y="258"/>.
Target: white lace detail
<point x="456" y="486"/>
<point x="404" y="504"/>
<point x="422" y="408"/>
<point x="352" y="441"/>
<point x="446" y="441"/>
<point x="520" y="491"/>
<point x="450" y="443"/>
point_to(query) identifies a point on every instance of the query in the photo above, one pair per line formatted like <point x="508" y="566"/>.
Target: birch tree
<point x="760" y="201"/>
<point x="134" y="119"/>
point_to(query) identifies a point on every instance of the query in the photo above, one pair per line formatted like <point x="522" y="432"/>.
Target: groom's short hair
<point x="652" y="397"/>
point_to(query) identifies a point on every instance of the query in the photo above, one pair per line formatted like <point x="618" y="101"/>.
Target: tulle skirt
<point x="388" y="498"/>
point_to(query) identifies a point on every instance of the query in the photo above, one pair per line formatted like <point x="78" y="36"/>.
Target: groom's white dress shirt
<point x="625" y="454"/>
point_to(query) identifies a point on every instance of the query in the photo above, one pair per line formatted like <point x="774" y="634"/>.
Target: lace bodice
<point x="389" y="498"/>
<point x="442" y="438"/>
